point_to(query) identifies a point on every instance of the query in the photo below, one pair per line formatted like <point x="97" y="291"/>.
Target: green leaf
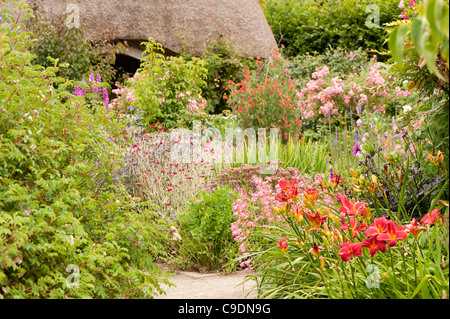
<point x="396" y="41"/>
<point x="418" y="33"/>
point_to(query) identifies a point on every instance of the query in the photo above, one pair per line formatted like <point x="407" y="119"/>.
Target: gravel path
<point x="194" y="285"/>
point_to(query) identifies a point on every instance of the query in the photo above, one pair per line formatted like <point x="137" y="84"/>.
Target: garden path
<point x="195" y="285"/>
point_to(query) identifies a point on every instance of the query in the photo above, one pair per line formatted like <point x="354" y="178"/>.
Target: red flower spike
<point x="336" y="180"/>
<point x="393" y="233"/>
<point x="286" y="185"/>
<point x="374" y="244"/>
<point x="350" y="250"/>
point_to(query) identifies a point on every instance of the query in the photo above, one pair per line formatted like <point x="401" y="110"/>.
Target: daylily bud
<point x="386" y="169"/>
<point x="374" y="179"/>
<point x="299" y="242"/>
<point x="361" y="179"/>
<point x="322" y="263"/>
<point x="355" y="180"/>
<point x="308" y="204"/>
<point x="390" y="159"/>
<point x="400" y="177"/>
<point x="431" y="159"/>
<point x="354" y="172"/>
<point x="327" y="230"/>
<point x="279" y="210"/>
<point x="440" y="157"/>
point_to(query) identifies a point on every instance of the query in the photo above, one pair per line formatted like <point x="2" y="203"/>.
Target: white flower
<point x="407" y="108"/>
<point x="71" y="240"/>
<point x="401" y="5"/>
<point x="175" y="234"/>
<point x="358" y="122"/>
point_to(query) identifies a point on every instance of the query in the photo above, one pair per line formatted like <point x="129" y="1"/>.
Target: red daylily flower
<point x="393" y="233"/>
<point x="316" y="220"/>
<point x="288" y="196"/>
<point x="378" y="226"/>
<point x="374" y="244"/>
<point x="283" y="245"/>
<point x="355" y="227"/>
<point x="350" y="208"/>
<point x="288" y="191"/>
<point x="431" y="217"/>
<point x="414" y="228"/>
<point x="286" y="185"/>
<point x="316" y="250"/>
<point x="311" y="196"/>
<point x="350" y="250"/>
<point x="336" y="180"/>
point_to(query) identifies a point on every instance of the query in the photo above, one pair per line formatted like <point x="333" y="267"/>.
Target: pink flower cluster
<point x="322" y="96"/>
<point x="253" y="210"/>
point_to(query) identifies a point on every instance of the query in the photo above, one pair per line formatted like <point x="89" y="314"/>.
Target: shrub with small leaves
<point x="206" y="239"/>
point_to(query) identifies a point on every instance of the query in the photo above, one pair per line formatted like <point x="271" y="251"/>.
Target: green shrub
<point x="83" y="54"/>
<point x="61" y="208"/>
<point x="167" y="90"/>
<point x="311" y="26"/>
<point x="223" y="64"/>
<point x="206" y="239"/>
<point x="339" y="62"/>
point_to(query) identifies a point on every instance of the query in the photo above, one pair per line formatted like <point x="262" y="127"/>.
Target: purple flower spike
<point x="105" y="97"/>
<point x="356" y="148"/>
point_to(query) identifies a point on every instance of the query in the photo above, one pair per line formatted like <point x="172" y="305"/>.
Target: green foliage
<point x="160" y="82"/>
<point x="419" y="41"/>
<point x="339" y="62"/>
<point x="207" y="242"/>
<point x="223" y="64"/>
<point x="307" y="156"/>
<point x="61" y="204"/>
<point x="53" y="38"/>
<point x="430" y="35"/>
<point x="311" y="26"/>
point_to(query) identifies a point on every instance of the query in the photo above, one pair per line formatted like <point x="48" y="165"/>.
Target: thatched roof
<point x="177" y="24"/>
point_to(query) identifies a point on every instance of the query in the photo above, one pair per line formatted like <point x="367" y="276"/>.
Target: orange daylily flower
<point x="315" y="250"/>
